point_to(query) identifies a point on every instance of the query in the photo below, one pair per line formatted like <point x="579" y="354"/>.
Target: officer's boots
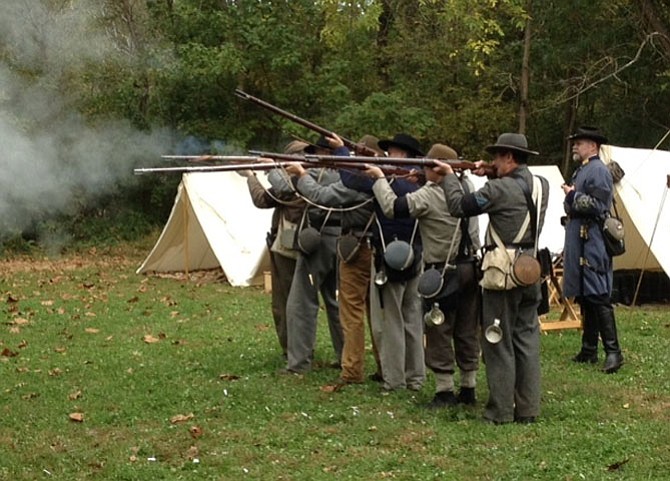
<point x="589" y="351"/>
<point x="607" y="324"/>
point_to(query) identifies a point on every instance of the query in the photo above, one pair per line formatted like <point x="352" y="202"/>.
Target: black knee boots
<point x="607" y="327"/>
<point x="589" y="351"/>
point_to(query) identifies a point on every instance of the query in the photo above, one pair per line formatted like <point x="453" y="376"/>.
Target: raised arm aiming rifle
<point x="355" y="146"/>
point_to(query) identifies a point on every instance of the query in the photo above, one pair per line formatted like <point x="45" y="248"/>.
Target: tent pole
<point x="185" y="209"/>
<point x="653" y="233"/>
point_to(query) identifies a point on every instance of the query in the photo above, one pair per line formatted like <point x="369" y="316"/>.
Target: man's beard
<point x="576" y="157"/>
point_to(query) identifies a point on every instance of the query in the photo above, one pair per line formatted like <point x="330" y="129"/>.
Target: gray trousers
<point x="397" y="327"/>
<point x="457" y="338"/>
<point x="314" y="273"/>
<point x="513" y="364"/>
<point x="281" y="269"/>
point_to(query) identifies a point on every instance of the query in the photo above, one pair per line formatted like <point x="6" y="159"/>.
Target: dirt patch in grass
<point x="70" y="262"/>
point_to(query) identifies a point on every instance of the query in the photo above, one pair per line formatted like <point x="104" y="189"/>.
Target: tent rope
<point x="653" y="233"/>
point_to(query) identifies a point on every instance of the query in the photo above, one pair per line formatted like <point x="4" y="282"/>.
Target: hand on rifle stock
<point x="373" y="171"/>
<point x="335" y="141"/>
<point x="295" y="168"/>
<point x="245" y="172"/>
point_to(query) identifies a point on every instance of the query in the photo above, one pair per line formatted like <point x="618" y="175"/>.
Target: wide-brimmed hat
<point x="404" y="142"/>
<point x="441" y="151"/>
<point x="322" y="143"/>
<point x="295" y="147"/>
<point x="511" y="141"/>
<point x="372" y="142"/>
<point x="591" y="133"/>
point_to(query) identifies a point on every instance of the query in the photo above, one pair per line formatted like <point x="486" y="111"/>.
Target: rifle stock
<point x="355" y="146"/>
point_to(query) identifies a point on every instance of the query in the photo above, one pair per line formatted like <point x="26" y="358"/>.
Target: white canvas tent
<point x="213" y="224"/>
<point x="643" y="203"/>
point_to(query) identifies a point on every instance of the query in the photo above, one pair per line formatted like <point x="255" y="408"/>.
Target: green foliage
<point x="444" y="71"/>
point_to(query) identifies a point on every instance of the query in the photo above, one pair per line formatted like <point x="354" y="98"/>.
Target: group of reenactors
<point x="402" y="250"/>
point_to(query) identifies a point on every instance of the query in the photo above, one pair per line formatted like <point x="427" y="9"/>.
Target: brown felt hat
<point x="441" y="151"/>
<point x="372" y="142"/>
<point x="295" y="147"/>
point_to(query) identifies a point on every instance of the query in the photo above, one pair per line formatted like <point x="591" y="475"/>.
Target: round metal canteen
<point x="430" y="283"/>
<point x="399" y="255"/>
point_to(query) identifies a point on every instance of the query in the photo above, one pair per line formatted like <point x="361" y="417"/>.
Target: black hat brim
<point x="385" y="144"/>
<point x="598" y="139"/>
<point x="492" y="149"/>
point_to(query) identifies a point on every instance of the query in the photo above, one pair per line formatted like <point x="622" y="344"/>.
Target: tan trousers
<point x="353" y="296"/>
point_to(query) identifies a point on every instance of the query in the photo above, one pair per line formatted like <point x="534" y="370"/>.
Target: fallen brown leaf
<point x="6" y="352"/>
<point x="149" y="339"/>
<point x="331" y="387"/>
<point x="195" y="431"/>
<point x="92" y="330"/>
<point x="192" y="452"/>
<point x="229" y="377"/>
<point x="75" y="395"/>
<point x="181" y="418"/>
<point x="77" y="417"/>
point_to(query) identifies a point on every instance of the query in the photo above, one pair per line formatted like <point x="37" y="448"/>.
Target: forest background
<point x="90" y="89"/>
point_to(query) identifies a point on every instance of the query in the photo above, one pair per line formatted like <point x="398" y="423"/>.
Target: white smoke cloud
<point x="50" y="156"/>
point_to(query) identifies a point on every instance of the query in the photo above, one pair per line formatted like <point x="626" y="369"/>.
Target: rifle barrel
<point x="408" y="162"/>
<point x="357" y="147"/>
<point x="212" y="168"/>
<point x="208" y="157"/>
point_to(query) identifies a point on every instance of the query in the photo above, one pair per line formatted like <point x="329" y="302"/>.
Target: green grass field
<point x="114" y="376"/>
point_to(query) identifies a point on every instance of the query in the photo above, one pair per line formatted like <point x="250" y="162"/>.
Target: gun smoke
<point x="53" y="160"/>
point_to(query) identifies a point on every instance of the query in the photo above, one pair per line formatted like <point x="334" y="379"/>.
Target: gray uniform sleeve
<point x="331" y="195"/>
<point x="280" y="182"/>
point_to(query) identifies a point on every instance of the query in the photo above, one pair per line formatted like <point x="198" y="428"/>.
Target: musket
<point x="355" y="146"/>
<point x="210" y="157"/>
<point x="336" y="161"/>
<point x="340" y="163"/>
<point x="401" y="161"/>
<point x="213" y="168"/>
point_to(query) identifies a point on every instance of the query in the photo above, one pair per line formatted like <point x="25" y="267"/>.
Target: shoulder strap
<point x="532" y="206"/>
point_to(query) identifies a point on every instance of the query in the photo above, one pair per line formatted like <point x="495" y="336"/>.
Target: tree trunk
<point x="525" y="73"/>
<point x="385" y="22"/>
<point x="653" y="18"/>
